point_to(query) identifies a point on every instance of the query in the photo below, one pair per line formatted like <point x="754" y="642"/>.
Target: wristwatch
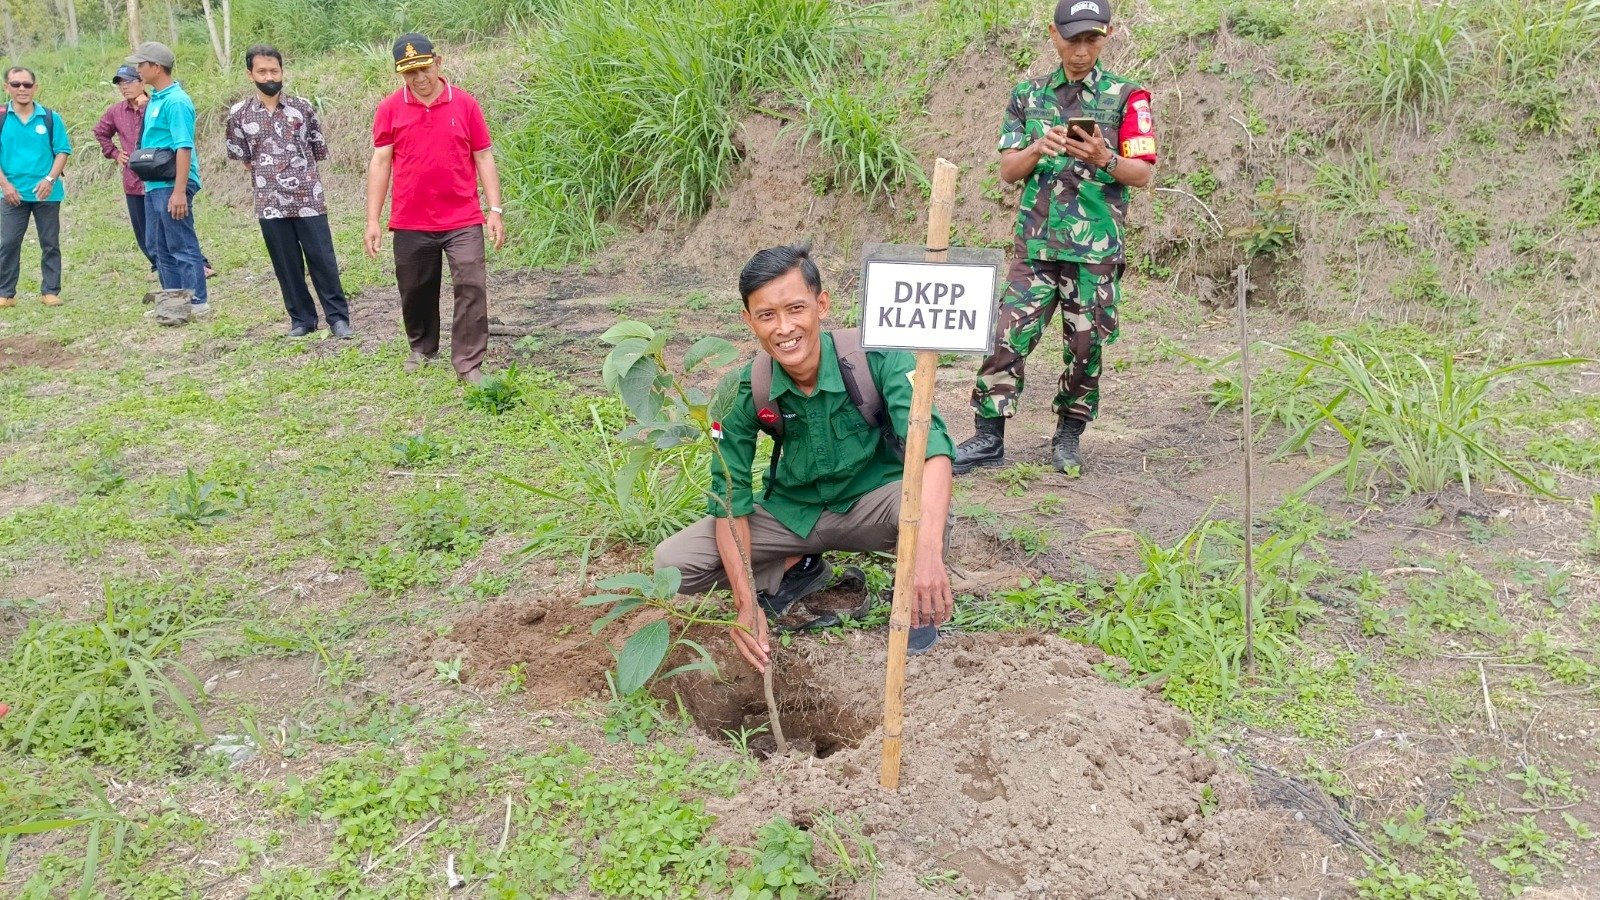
<point x="50" y="178"/>
<point x="496" y="210"/>
<point x="1111" y="165"/>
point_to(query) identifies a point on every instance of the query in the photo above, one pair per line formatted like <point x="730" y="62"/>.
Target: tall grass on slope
<point x="1406" y="68"/>
<point x="634" y="106"/>
<point x="304" y="27"/>
<point x="1533" y="39"/>
<point x="860" y="135"/>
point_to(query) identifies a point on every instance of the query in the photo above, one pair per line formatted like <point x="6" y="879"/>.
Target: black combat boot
<point x="1064" y="448"/>
<point x="986" y="447"/>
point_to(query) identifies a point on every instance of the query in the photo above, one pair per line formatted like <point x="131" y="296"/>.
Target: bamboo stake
<point x="1242" y="275"/>
<point x="940" y="212"/>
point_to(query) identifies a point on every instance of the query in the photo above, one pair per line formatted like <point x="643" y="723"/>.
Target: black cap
<point x="1074" y="17"/>
<point x="411" y="52"/>
<point x="125" y="73"/>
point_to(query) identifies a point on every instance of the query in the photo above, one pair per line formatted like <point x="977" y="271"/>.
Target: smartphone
<point x="1081" y="123"/>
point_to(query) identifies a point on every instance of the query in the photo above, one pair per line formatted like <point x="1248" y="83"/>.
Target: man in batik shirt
<point x="280" y="141"/>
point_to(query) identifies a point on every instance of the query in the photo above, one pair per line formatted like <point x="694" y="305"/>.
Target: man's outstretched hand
<point x="750" y="636"/>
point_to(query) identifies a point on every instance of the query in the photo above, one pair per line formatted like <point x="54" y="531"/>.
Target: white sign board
<point x="947" y="307"/>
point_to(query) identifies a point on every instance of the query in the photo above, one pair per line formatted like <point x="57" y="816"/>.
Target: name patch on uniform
<point x="1139" y="146"/>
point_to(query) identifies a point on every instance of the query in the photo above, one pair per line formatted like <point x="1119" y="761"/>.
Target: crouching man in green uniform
<point x="835" y="484"/>
<point x="1068" y="249"/>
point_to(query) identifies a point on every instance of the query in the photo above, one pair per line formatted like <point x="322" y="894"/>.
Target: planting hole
<point x="815" y="720"/>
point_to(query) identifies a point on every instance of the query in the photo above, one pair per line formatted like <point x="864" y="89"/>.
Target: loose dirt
<point x="1024" y="770"/>
<point x="33" y="350"/>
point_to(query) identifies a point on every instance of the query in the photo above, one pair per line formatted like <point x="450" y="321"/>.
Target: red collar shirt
<point x="282" y="147"/>
<point x="435" y="176"/>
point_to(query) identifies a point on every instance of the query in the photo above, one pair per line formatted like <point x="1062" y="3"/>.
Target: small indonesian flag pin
<point x="716" y="431"/>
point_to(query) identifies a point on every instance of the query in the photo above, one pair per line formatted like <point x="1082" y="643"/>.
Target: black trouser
<point x="13" y="226"/>
<point x="295" y="245"/>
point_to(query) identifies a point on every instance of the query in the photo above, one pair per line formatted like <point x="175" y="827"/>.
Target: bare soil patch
<point x="1023" y="770"/>
<point x="34" y="350"/>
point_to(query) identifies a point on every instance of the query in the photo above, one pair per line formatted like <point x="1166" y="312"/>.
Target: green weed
<point x="1408" y="65"/>
<point x="1590" y="546"/>
<point x="1533" y="41"/>
<point x="859" y="134"/>
<point x="101" y="686"/>
<point x="1423" y="426"/>
<point x="1582" y="185"/>
<point x="782" y="869"/>
<point x="497" y="393"/>
<point x="202" y="503"/>
<point x="1356" y="186"/>
<point x="439" y="520"/>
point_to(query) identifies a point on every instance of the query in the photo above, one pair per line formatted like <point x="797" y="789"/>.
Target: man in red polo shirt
<point x="430" y="136"/>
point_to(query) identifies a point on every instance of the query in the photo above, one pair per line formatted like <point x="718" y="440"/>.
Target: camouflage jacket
<point x="1070" y="211"/>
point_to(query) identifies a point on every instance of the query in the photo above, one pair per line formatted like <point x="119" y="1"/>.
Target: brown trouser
<point x="872" y="524"/>
<point x="418" y="269"/>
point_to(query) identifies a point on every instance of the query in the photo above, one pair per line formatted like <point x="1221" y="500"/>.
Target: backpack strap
<point x="862" y="390"/>
<point x="768" y="417"/>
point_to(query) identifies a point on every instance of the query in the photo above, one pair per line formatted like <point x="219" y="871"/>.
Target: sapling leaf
<point x="603" y="599"/>
<point x="627" y="329"/>
<point x="667" y="582"/>
<point x="623" y="607"/>
<point x="621" y="359"/>
<point x="639" y="388"/>
<point x="711" y="349"/>
<point x="637" y="582"/>
<point x="641" y="656"/>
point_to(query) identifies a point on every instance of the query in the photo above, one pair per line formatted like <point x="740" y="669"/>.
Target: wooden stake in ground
<point x="894" y="682"/>
<point x="1242" y="274"/>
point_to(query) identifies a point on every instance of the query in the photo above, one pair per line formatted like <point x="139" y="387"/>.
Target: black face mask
<point x="270" y="88"/>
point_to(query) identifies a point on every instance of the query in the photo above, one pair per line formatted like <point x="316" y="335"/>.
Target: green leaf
<point x="710" y="349"/>
<point x="641" y="656"/>
<point x="667" y="582"/>
<point x="638" y="582"/>
<point x="639" y="388"/>
<point x="621" y="609"/>
<point x="621" y="359"/>
<point x="628" y="328"/>
<point x="602" y="599"/>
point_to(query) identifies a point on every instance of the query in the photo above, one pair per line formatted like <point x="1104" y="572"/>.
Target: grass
<point x="1422" y="432"/>
<point x="1408" y="66"/>
<point x="103" y="686"/>
<point x="860" y="136"/>
<point x="637" y="104"/>
<point x="1533" y="42"/>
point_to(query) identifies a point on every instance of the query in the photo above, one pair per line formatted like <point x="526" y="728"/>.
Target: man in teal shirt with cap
<point x="33" y="151"/>
<point x="169" y="212"/>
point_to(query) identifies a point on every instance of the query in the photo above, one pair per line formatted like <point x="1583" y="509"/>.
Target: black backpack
<point x="858" y="385"/>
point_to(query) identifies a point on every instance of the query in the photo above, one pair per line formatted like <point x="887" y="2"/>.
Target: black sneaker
<point x="986" y="447"/>
<point x="806" y="577"/>
<point x="1065" y="451"/>
<point x="341" y="329"/>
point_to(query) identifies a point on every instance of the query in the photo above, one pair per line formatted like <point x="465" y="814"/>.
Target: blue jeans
<point x="174" y="243"/>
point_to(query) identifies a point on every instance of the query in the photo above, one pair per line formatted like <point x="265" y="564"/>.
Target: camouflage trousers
<point x="1087" y="294"/>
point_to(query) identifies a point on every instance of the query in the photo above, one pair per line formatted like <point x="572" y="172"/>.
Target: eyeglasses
<point x="20" y="84"/>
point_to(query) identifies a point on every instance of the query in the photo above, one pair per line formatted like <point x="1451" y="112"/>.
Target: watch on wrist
<point x="496" y="210"/>
<point x="50" y="178"/>
<point x="1111" y="164"/>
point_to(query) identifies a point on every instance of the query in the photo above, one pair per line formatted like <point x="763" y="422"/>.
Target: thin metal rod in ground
<point x="1242" y="275"/>
<point x="772" y="706"/>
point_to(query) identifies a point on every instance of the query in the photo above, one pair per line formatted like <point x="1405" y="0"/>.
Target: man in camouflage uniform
<point x="1069" y="231"/>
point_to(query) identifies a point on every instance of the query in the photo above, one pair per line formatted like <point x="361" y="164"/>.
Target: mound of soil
<point x="1023" y="770"/>
<point x="549" y="638"/>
